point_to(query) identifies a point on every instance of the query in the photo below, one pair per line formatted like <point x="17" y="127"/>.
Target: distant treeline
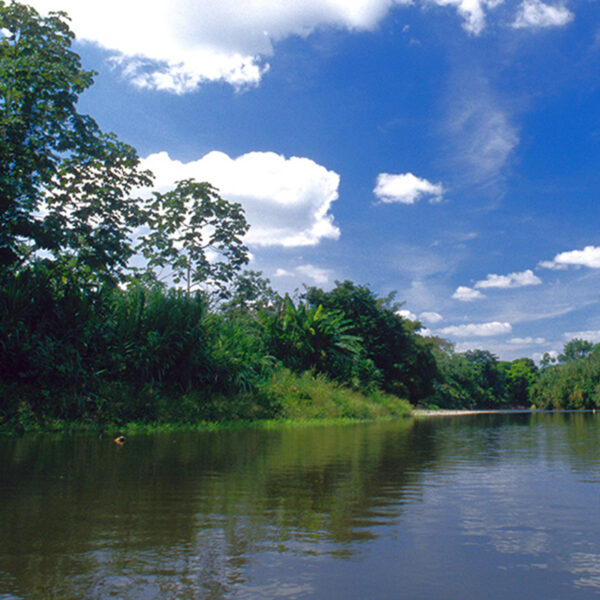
<point x="477" y="379"/>
<point x="570" y="381"/>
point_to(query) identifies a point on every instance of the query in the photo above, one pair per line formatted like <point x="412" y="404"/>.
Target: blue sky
<point x="445" y="149"/>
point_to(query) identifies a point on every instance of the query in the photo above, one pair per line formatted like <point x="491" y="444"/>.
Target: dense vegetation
<point x="187" y="334"/>
<point x="572" y="380"/>
<point x="87" y="335"/>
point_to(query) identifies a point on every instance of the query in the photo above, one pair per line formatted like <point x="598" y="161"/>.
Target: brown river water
<point x="502" y="506"/>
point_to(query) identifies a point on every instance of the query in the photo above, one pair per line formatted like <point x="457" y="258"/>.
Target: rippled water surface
<point x="488" y="506"/>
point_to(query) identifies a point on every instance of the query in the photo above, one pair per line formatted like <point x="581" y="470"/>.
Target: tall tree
<point x="64" y="185"/>
<point x="490" y="376"/>
<point x="404" y="358"/>
<point x="520" y="374"/>
<point x="250" y="291"/>
<point x="575" y="349"/>
<point x="196" y="236"/>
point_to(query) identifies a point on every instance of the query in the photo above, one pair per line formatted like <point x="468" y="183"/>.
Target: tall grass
<point x="313" y="396"/>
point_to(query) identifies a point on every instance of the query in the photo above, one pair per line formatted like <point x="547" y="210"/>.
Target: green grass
<point x="141" y="428"/>
<point x="309" y="396"/>
<point x="284" y="399"/>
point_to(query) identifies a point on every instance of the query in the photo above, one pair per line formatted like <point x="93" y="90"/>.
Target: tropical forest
<point x="121" y="304"/>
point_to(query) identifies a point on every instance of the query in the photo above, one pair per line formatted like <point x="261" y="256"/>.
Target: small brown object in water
<point x="119" y="440"/>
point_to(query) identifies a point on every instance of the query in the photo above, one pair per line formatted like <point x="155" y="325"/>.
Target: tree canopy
<point x="196" y="234"/>
<point x="68" y="190"/>
<point x="575" y="349"/>
<point x="405" y="360"/>
<point x="64" y="184"/>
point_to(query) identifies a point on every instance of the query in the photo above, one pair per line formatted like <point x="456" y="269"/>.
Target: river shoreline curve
<point x="426" y="412"/>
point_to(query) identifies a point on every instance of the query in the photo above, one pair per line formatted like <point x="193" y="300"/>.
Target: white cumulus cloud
<point x="478" y="329"/>
<point x="591" y="335"/>
<point x="512" y="280"/>
<point x="180" y="44"/>
<point x="283" y="273"/>
<point x="588" y="257"/>
<point x="287" y="201"/>
<point x="527" y="341"/>
<point x="431" y="317"/>
<point x="467" y="294"/>
<point x="318" y="275"/>
<point x="536" y="14"/>
<point x="406" y="188"/>
<point x="549" y="264"/>
<point x="406" y="314"/>
<point x="472" y="11"/>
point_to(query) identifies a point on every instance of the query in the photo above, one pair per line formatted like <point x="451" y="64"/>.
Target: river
<point x="472" y="507"/>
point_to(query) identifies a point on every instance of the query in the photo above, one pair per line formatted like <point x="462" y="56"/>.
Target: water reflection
<point x="490" y="506"/>
<point x="587" y="569"/>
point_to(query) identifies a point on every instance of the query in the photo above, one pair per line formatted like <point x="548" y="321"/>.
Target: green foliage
<point x="99" y="353"/>
<point x="64" y="185"/>
<point x="404" y="360"/>
<point x="520" y="375"/>
<point x="250" y="291"/>
<point x="459" y="386"/>
<point x="572" y="384"/>
<point x="238" y="351"/>
<point x="196" y="235"/>
<point x="489" y="376"/>
<point x="547" y="360"/>
<point x="575" y="349"/>
<point x="305" y="337"/>
<point x="476" y="379"/>
<point x="157" y="338"/>
<point x="43" y="321"/>
<point x="313" y="396"/>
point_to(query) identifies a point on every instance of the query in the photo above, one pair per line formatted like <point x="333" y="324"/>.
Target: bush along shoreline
<point x="78" y="356"/>
<point x="103" y="356"/>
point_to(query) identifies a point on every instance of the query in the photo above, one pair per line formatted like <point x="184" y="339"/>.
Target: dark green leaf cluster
<point x="573" y="382"/>
<point x="520" y="375"/>
<point x="477" y="379"/>
<point x="64" y="185"/>
<point x="403" y="359"/>
<point x="76" y="347"/>
<point x="304" y="337"/>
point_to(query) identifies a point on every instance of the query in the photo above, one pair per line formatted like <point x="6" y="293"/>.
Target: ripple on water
<point x="504" y="506"/>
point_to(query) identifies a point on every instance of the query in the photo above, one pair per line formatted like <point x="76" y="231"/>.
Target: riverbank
<point x="112" y="430"/>
<point x="286" y="397"/>
<point x="423" y="412"/>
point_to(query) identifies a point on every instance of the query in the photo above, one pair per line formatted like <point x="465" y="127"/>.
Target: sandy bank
<point x="421" y="412"/>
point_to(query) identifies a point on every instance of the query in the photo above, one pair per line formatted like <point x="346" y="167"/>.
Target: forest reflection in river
<point x="488" y="506"/>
